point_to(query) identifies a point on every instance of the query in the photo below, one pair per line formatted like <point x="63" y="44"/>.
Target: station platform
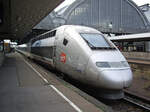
<point x="141" y="77"/>
<point x="138" y="61"/>
<point x="1" y="58"/>
<point x="24" y="87"/>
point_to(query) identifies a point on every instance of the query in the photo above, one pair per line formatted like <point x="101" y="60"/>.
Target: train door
<point x="57" y="52"/>
<point x="62" y="53"/>
<point x="54" y="56"/>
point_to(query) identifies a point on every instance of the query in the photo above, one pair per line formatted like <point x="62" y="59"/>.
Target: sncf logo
<point x="63" y="57"/>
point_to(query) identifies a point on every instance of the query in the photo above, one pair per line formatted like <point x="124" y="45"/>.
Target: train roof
<point x="78" y="28"/>
<point x="81" y="29"/>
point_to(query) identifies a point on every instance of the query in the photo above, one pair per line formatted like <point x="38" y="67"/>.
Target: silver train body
<point x="85" y="55"/>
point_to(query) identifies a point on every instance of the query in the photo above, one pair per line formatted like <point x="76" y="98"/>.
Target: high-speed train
<point x="85" y="55"/>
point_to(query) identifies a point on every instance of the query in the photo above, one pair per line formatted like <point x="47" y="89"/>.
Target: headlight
<point x="103" y="64"/>
<point x="112" y="64"/>
<point x="125" y="63"/>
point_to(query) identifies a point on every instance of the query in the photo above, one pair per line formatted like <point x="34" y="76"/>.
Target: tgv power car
<point x="85" y="55"/>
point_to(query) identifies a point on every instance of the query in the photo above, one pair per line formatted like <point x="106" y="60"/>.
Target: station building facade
<point x="108" y="16"/>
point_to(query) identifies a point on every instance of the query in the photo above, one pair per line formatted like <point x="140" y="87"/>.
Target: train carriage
<point x="85" y="55"/>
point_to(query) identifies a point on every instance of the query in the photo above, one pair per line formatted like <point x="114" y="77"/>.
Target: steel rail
<point x="136" y="96"/>
<point x="136" y="103"/>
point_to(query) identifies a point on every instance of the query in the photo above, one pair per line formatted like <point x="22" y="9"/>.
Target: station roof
<point x="18" y="17"/>
<point x="109" y="16"/>
<point x="132" y="37"/>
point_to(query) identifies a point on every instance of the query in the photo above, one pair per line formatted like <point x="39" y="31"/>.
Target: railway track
<point x="136" y="100"/>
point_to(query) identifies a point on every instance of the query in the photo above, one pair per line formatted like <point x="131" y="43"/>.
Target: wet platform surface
<point x="23" y="90"/>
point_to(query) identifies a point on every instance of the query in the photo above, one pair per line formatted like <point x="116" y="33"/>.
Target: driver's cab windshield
<point x="96" y="41"/>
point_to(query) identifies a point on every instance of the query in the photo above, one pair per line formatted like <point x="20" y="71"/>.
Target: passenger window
<point x="65" y="42"/>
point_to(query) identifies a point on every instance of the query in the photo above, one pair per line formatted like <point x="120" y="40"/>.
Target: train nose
<point x="116" y="79"/>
